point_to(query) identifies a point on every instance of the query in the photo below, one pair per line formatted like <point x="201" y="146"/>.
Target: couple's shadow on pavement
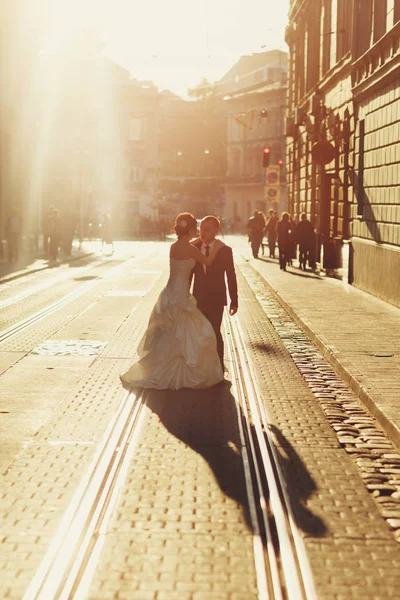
<point x="207" y="422"/>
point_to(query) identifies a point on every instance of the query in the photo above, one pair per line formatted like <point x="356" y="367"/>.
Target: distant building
<point x="192" y="153"/>
<point x="343" y="134"/>
<point x="102" y="148"/>
<point x="254" y="91"/>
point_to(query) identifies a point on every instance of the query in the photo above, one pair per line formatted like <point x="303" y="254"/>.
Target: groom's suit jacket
<point x="210" y="287"/>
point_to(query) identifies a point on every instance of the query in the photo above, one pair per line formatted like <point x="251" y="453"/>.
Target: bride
<point x="179" y="348"/>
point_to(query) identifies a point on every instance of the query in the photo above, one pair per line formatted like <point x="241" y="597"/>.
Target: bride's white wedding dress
<point x="179" y="348"/>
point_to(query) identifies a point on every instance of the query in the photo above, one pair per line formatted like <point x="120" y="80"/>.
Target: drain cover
<point x="70" y="348"/>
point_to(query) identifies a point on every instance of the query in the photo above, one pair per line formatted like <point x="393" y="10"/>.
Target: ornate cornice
<point x="379" y="65"/>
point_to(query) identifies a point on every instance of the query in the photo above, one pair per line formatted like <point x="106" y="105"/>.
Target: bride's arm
<point x="195" y="241"/>
<point x="206" y="260"/>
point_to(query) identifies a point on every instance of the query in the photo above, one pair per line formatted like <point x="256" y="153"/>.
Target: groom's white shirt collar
<point x="203" y="246"/>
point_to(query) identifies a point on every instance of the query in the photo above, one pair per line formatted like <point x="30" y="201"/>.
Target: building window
<point x="235" y="165"/>
<point x="364" y="29"/>
<point x="379" y="19"/>
<point x="300" y="67"/>
<point x="396" y="16"/>
<point x="135" y="130"/>
<point x="326" y="14"/>
<point x="333" y="33"/>
<point x="134" y="174"/>
<point x="312" y="45"/>
<point x="344" y="19"/>
<point x="360" y="182"/>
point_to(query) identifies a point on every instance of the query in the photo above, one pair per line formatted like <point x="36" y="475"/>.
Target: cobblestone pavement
<point x="181" y="527"/>
<point x="358" y="333"/>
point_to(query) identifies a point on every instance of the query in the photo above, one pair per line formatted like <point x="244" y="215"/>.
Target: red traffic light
<point x="280" y="162"/>
<point x="266" y="155"/>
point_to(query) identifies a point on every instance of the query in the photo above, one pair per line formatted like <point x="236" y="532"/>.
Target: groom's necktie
<point x="207" y="249"/>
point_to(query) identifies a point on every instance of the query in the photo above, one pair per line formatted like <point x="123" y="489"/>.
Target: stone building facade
<point x="255" y="91"/>
<point x="376" y="97"/>
<point x="343" y="131"/>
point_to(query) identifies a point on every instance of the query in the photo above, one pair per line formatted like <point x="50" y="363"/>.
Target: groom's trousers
<point x="214" y="314"/>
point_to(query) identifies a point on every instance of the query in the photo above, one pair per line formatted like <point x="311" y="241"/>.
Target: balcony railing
<point x="378" y="61"/>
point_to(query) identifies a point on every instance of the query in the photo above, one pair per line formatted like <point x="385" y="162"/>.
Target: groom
<point x="209" y="282"/>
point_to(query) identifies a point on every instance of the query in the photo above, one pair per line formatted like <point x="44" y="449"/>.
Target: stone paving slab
<point x="349" y="326"/>
<point x="43" y="478"/>
<point x="188" y="469"/>
<point x="181" y="527"/>
<point x="335" y="514"/>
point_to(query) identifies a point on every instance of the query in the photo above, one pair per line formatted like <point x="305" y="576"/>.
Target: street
<point x="283" y="481"/>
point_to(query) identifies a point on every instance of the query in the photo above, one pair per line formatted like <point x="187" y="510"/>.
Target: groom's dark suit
<point x="210" y="290"/>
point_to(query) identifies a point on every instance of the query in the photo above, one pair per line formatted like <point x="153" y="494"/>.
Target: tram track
<point x="281" y="562"/>
<point x="280" y="559"/>
<point x="48" y="310"/>
<point x="66" y="299"/>
<point x="67" y="569"/>
<point x="18" y="297"/>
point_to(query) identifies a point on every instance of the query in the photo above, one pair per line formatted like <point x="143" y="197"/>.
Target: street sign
<point x="272" y="183"/>
<point x="272" y="175"/>
<point x="272" y="194"/>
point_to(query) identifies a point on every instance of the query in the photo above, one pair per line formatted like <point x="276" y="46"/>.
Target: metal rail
<point x="45" y="312"/>
<point x="281" y="563"/>
<point x="69" y="564"/>
<point x="46" y="284"/>
<point x="282" y="566"/>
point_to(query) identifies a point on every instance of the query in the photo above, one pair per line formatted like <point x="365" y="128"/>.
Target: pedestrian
<point x="304" y="237"/>
<point x="14" y="227"/>
<point x="293" y="242"/>
<point x="68" y="231"/>
<point x="46" y="228"/>
<point x="256" y="228"/>
<point x="54" y="233"/>
<point x="284" y="231"/>
<point x="211" y="283"/>
<point x="270" y="229"/>
<point x="106" y="232"/>
<point x="179" y="347"/>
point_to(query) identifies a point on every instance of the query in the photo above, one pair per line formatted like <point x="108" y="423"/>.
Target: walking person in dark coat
<point x="46" y="228"/>
<point x="55" y="233"/>
<point x="106" y="233"/>
<point x="284" y="230"/>
<point x="271" y="231"/>
<point x="209" y="287"/>
<point x="69" y="222"/>
<point x="304" y="237"/>
<point x="14" y="230"/>
<point x="293" y="241"/>
<point x="256" y="228"/>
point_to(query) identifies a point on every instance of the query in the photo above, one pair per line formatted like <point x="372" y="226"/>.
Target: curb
<point x="374" y="401"/>
<point x="20" y="274"/>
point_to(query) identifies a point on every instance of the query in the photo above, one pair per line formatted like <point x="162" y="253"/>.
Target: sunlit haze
<point x="75" y="128"/>
<point x="175" y="43"/>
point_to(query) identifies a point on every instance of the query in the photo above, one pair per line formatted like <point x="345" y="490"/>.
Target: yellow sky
<point x="176" y="42"/>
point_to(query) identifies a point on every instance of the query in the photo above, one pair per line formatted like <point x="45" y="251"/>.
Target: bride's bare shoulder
<point x="180" y="251"/>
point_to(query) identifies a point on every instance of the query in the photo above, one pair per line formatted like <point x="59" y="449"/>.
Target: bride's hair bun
<point x="184" y="223"/>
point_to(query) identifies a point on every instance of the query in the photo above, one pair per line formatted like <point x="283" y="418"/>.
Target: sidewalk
<point x="358" y="333"/>
<point x="37" y="262"/>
